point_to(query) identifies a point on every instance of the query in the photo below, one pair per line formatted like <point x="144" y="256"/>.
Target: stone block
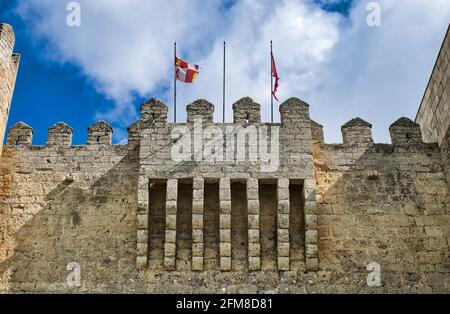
<point x="283" y="263"/>
<point x="141" y="262"/>
<point x="283" y="183"/>
<point x="283" y="194"/>
<point x="197" y="236"/>
<point x="197" y="249"/>
<point x="142" y="221"/>
<point x="225" y="207"/>
<point x="198" y="183"/>
<point x="253" y="221"/>
<point x="197" y="221"/>
<point x="225" y="194"/>
<point x="171" y="222"/>
<point x="252" y="194"/>
<point x="311" y="236"/>
<point x="171" y="207"/>
<point x="169" y="263"/>
<point x="312" y="264"/>
<point x="225" y="263"/>
<point x="254" y="249"/>
<point x="169" y="249"/>
<point x="283" y="235"/>
<point x="310" y="221"/>
<point x="225" y="249"/>
<point x="225" y="221"/>
<point x="253" y="206"/>
<point x="172" y="190"/>
<point x="254" y="263"/>
<point x="142" y="236"/>
<point x="171" y="236"/>
<point x="311" y="249"/>
<point x="197" y="263"/>
<point x="197" y="207"/>
<point x="283" y="221"/>
<point x="225" y="235"/>
<point x="142" y="249"/>
<point x="253" y="236"/>
<point x="283" y="207"/>
<point x="283" y="249"/>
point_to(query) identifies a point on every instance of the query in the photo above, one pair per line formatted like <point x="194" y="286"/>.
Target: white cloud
<point x="342" y="67"/>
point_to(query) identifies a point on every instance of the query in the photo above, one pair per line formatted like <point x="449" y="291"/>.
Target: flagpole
<point x="271" y="83"/>
<point x="223" y="96"/>
<point x="175" y="83"/>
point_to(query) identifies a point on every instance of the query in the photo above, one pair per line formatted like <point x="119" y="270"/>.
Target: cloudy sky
<point x="122" y="54"/>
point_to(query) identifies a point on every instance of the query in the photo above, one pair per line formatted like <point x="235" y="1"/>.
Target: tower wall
<point x="434" y="112"/>
<point x="9" y="63"/>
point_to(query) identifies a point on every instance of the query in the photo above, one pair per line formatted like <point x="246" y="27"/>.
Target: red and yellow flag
<point x="186" y="72"/>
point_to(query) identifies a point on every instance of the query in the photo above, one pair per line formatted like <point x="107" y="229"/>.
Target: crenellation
<point x="357" y="132"/>
<point x="200" y="109"/>
<point x="154" y="111"/>
<point x="100" y="133"/>
<point x="245" y="110"/>
<point x="59" y="134"/>
<point x="405" y="132"/>
<point x="20" y="134"/>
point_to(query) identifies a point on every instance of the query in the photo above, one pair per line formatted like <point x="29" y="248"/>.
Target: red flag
<point x="186" y="72"/>
<point x="275" y="75"/>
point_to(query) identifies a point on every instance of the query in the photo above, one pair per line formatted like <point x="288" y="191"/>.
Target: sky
<point x="122" y="55"/>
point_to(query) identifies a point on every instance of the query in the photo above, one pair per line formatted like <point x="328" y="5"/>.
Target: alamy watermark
<point x="374" y="277"/>
<point x="73" y="279"/>
<point x="374" y="16"/>
<point x="253" y="144"/>
<point x="74" y="17"/>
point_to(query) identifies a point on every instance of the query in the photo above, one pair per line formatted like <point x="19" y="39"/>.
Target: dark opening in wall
<point x="268" y="220"/>
<point x="211" y="225"/>
<point x="157" y="223"/>
<point x="296" y="226"/>
<point x="184" y="225"/>
<point x="239" y="227"/>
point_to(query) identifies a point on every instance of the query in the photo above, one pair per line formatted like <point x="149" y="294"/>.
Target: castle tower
<point x="9" y="64"/>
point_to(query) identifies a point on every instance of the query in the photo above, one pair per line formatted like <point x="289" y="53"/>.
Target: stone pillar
<point x="142" y="223"/>
<point x="171" y="225"/>
<point x="225" y="223"/>
<point x="197" y="224"/>
<point x="309" y="195"/>
<point x="254" y="246"/>
<point x="283" y="224"/>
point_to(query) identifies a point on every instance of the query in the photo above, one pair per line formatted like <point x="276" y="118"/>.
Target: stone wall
<point x="61" y="204"/>
<point x="97" y="206"/>
<point x="387" y="204"/>
<point x="434" y="112"/>
<point x="9" y="64"/>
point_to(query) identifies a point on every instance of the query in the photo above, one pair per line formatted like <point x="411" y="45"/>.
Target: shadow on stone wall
<point x="93" y="226"/>
<point x="389" y="205"/>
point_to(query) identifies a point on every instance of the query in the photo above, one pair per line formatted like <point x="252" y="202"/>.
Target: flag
<point x="275" y="75"/>
<point x="185" y="72"/>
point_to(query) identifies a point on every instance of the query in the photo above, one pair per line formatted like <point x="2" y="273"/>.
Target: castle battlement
<point x="154" y="114"/>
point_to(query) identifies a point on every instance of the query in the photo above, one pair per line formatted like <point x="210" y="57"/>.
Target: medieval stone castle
<point x="350" y="217"/>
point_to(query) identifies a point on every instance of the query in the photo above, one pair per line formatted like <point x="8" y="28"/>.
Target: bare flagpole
<point x="223" y="96"/>
<point x="175" y="83"/>
<point x="271" y="83"/>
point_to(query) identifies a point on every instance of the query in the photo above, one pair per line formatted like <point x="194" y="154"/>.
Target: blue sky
<point x="120" y="56"/>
